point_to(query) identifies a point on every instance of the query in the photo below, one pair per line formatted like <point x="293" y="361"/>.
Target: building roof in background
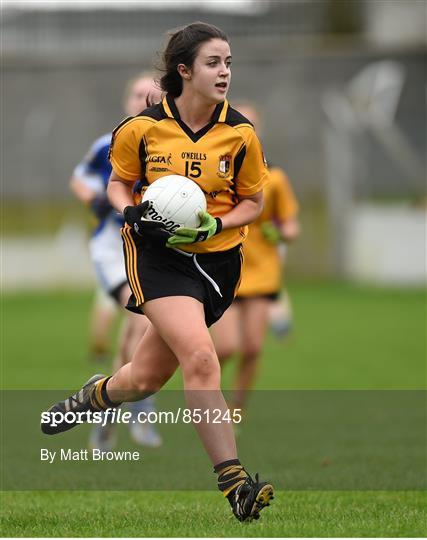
<point x="42" y="29"/>
<point x="249" y="6"/>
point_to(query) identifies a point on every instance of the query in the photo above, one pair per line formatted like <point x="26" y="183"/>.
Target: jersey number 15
<point x="192" y="169"/>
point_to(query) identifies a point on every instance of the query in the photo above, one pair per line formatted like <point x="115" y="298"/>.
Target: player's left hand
<point x="271" y="233"/>
<point x="146" y="228"/>
<point x="209" y="226"/>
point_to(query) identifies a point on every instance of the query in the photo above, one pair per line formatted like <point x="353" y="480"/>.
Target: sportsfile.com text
<point x="186" y="416"/>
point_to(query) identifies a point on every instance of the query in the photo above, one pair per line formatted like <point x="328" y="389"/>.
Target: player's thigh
<point x="153" y="360"/>
<point x="137" y="323"/>
<point x="180" y="320"/>
<point x="124" y="294"/>
<point x="132" y="331"/>
<point x="254" y="319"/>
<point x="226" y="332"/>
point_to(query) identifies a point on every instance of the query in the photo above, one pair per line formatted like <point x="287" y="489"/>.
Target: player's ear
<point x="184" y="71"/>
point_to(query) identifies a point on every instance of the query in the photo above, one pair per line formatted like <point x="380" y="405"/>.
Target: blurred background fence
<point x="361" y="184"/>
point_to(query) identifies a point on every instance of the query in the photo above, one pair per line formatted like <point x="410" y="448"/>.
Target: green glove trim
<point x="209" y="226"/>
<point x="271" y="233"/>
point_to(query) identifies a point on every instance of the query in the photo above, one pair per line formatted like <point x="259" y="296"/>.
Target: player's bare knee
<point x="251" y="351"/>
<point x="226" y="351"/>
<point x="202" y="366"/>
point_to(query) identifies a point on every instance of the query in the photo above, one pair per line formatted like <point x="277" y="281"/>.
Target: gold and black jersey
<point x="262" y="268"/>
<point x="224" y="158"/>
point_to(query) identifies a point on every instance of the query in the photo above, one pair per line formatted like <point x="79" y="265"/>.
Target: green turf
<point x="345" y="337"/>
<point x="295" y="514"/>
<point x="42" y="217"/>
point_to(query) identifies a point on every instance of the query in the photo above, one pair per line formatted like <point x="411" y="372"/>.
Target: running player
<point x="243" y="327"/>
<point x="185" y="282"/>
<point x="89" y="184"/>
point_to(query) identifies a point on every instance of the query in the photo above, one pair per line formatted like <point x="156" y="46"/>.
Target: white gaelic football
<point x="176" y="201"/>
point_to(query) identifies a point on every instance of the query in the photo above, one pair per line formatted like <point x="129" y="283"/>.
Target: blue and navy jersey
<point x="95" y="164"/>
<point x="95" y="170"/>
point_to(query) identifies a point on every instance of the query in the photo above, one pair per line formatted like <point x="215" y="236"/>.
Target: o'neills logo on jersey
<point x="194" y="155"/>
<point x="160" y="159"/>
<point x="224" y="166"/>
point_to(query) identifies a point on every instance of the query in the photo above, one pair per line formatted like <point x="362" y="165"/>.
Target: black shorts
<point x="155" y="271"/>
<point x="268" y="296"/>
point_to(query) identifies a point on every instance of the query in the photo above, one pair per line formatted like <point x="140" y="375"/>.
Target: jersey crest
<point x="224" y="165"/>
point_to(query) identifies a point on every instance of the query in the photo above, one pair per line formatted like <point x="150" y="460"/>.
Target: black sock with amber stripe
<point x="99" y="397"/>
<point x="231" y="475"/>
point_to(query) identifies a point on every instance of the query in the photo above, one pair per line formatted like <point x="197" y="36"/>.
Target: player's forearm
<point x="81" y="191"/>
<point x="244" y="213"/>
<point x="290" y="230"/>
<point x="120" y="193"/>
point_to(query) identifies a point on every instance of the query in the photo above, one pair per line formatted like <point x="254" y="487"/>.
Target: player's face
<point x="211" y="72"/>
<point x="141" y="90"/>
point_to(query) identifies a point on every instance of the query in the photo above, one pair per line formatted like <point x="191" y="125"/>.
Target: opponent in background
<point x="242" y="329"/>
<point x="89" y="183"/>
<point x="103" y="314"/>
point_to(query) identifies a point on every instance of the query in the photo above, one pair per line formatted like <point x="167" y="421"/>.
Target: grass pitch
<point x="345" y="337"/>
<point x="194" y="514"/>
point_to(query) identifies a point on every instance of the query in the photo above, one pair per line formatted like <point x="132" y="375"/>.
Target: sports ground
<point x="346" y="337"/>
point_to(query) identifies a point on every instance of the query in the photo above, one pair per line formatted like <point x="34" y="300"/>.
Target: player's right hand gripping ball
<point x="209" y="226"/>
<point x="135" y="217"/>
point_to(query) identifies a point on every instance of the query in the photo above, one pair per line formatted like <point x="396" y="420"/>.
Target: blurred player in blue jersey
<point x="89" y="184"/>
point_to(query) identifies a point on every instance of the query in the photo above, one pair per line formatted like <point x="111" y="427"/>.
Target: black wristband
<point x="218" y="225"/>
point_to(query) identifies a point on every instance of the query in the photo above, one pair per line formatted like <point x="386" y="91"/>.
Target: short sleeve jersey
<point x="261" y="273"/>
<point x="280" y="202"/>
<point x="224" y="158"/>
<point x="94" y="170"/>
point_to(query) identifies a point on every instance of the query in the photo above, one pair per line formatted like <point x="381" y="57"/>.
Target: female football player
<point x="184" y="282"/>
<point x="89" y="183"/>
<point x="243" y="327"/>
